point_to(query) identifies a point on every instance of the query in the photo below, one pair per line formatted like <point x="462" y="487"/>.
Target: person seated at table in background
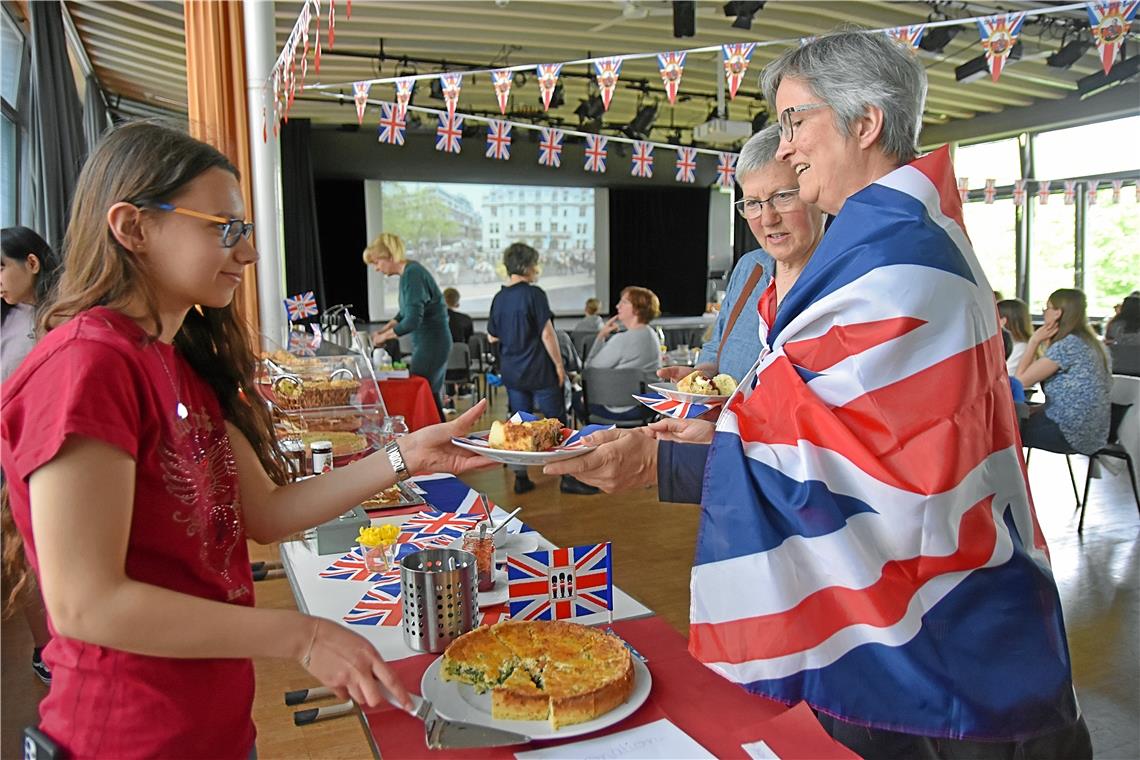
<point x="842" y="559"/>
<point x="789" y="231"/>
<point x="1076" y="375"/>
<point x="593" y="321"/>
<point x="1122" y="336"/>
<point x="635" y="347"/>
<point x="1014" y="315"/>
<point x="530" y="361"/>
<point x="461" y="325"/>
<point x="422" y="312"/>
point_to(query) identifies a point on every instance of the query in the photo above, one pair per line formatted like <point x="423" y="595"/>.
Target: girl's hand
<point x="611" y="326"/>
<point x="349" y="665"/>
<point x="430" y="449"/>
<point x="1044" y="333"/>
<point x="683" y="431"/>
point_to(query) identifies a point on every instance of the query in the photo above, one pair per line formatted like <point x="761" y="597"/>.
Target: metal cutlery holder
<point x="438" y="587"/>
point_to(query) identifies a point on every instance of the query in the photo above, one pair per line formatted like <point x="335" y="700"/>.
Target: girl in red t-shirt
<point x="138" y="468"/>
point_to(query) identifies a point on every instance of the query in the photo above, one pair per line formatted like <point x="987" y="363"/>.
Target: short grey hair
<point x="850" y="70"/>
<point x="759" y="151"/>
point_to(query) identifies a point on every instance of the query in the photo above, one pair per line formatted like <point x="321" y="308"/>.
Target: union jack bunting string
<point x="392" y="125"/>
<point x="1018" y="192"/>
<point x="991" y="191"/>
<point x="736" y="58"/>
<point x="607" y="70"/>
<point x="561" y="583"/>
<point x="1070" y="191"/>
<point x="686" y="165"/>
<point x="332" y="22"/>
<point x="963" y="188"/>
<point x="499" y="140"/>
<point x="726" y="169"/>
<point x="1109" y="21"/>
<point x="547" y="81"/>
<point x="301" y="306"/>
<point x="672" y="66"/>
<point x="501" y="81"/>
<point x="404" y="89"/>
<point x="1090" y="190"/>
<point x="909" y="36"/>
<point x="596" y="153"/>
<point x="451" y="84"/>
<point x="360" y="97"/>
<point x="1117" y="186"/>
<point x="449" y="133"/>
<point x="1043" y="192"/>
<point x="999" y="35"/>
<point x="550" y="147"/>
<point x="642" y="165"/>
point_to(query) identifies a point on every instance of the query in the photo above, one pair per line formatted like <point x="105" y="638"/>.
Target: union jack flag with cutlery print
<point x="561" y="583"/>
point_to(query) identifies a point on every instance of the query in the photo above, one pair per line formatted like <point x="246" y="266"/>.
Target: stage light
<point x="436" y="89"/>
<point x="641" y="124"/>
<point x="743" y="11"/>
<point x="934" y="40"/>
<point x="557" y="97"/>
<point x="1099" y="82"/>
<point x="976" y="68"/>
<point x="1069" y="54"/>
<point x="591" y="110"/>
<point x="684" y="18"/>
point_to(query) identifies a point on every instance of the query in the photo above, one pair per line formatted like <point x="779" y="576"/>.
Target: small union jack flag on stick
<point x="449" y="133"/>
<point x="686" y="165"/>
<point x="642" y="165"/>
<point x="550" y="147"/>
<point x="726" y="169"/>
<point x="301" y="306"/>
<point x="499" y="140"/>
<point x="596" y="153"/>
<point x="561" y="583"/>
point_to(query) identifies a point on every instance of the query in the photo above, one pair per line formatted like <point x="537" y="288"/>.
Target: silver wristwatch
<point x="396" y="459"/>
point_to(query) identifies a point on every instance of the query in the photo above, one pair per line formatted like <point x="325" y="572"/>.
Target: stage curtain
<point x="303" y="266"/>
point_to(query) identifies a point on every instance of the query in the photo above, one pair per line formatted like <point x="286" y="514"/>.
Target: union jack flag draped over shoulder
<point x="866" y="486"/>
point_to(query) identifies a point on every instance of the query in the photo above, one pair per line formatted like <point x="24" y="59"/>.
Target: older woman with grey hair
<point x="865" y="483"/>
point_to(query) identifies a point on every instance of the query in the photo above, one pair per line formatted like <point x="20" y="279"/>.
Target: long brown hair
<point x="1074" y="319"/>
<point x="1017" y="321"/>
<point x="148" y="161"/>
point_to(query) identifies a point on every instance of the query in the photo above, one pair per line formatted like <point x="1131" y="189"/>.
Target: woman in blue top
<point x="422" y="310"/>
<point x="1075" y="374"/>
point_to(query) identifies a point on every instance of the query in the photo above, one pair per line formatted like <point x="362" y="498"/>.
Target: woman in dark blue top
<point x="422" y="311"/>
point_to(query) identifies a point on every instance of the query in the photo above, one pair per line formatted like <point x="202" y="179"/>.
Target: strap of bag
<point x="749" y="286"/>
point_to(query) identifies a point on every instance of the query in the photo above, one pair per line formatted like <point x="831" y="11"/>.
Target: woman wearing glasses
<point x="139" y="463"/>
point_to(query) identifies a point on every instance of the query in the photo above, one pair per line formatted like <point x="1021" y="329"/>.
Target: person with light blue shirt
<point x="741" y="345"/>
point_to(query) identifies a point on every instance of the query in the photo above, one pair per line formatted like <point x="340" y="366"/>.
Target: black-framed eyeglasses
<point x="781" y="200"/>
<point x="787" y="129"/>
<point x="232" y="230"/>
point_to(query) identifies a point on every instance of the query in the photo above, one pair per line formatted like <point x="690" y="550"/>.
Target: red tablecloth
<point x="410" y="397"/>
<point x="717" y="714"/>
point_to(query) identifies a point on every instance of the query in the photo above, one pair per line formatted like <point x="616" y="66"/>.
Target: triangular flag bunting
<point x="672" y="66"/>
<point x="1018" y="192"/>
<point x="642" y="160"/>
<point x="1090" y="190"/>
<point x="596" y="153"/>
<point x="1070" y="191"/>
<point x="1109" y="22"/>
<point x="360" y="97"/>
<point x="1043" y="192"/>
<point x="736" y="58"/>
<point x="1117" y="186"/>
<point x="909" y="36"/>
<point x="990" y="192"/>
<point x="332" y="22"/>
<point x="726" y="169"/>
<point x="999" y="35"/>
<point x="499" y="140"/>
<point x="547" y="80"/>
<point x="404" y="88"/>
<point x="607" y="70"/>
<point x="687" y="165"/>
<point x="963" y="189"/>
<point x="449" y="133"/>
<point x="451" y="84"/>
<point x="501" y="81"/>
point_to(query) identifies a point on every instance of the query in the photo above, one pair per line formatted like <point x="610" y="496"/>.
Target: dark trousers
<point x="1040" y="432"/>
<point x="1069" y="743"/>
<point x="544" y="401"/>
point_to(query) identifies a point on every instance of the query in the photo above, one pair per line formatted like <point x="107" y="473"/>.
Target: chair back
<point x="1125" y="358"/>
<point x="612" y="387"/>
<point x="583" y="340"/>
<point x="459" y="359"/>
<point x="478" y="347"/>
<point x="571" y="359"/>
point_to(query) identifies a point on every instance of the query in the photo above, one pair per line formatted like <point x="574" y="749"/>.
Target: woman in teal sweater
<point x="422" y="310"/>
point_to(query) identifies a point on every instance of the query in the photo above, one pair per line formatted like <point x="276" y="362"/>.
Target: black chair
<point x="583" y="340"/>
<point x="614" y="387"/>
<point x="460" y="371"/>
<point x="482" y="361"/>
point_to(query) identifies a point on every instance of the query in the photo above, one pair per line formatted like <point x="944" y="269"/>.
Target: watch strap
<point x="396" y="459"/>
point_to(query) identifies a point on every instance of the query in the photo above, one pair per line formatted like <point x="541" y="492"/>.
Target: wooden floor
<point x="1099" y="577"/>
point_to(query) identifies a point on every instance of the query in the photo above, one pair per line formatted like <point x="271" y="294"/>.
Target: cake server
<point x="441" y="733"/>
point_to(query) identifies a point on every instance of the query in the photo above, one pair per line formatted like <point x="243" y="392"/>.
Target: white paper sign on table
<point x="660" y="739"/>
<point x="759" y="751"/>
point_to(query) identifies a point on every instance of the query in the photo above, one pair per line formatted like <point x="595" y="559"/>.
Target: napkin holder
<point x="338" y="535"/>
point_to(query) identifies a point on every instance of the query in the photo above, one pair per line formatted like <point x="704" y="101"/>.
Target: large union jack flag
<point x="868" y="543"/>
<point x="687" y="165"/>
<point x="999" y="35"/>
<point x="499" y="140"/>
<point x="596" y="153"/>
<point x="642" y="162"/>
<point x="435" y="524"/>
<point x="560" y="583"/>
<point x="300" y="306"/>
<point x="550" y="147"/>
<point x="1109" y="21"/>
<point x="392" y="125"/>
<point x="449" y="133"/>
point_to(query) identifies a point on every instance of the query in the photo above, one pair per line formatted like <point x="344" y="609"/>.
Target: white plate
<point x="512" y="543"/>
<point x="518" y="457"/>
<point x="498" y="594"/>
<point x="458" y="701"/>
<point x="669" y="390"/>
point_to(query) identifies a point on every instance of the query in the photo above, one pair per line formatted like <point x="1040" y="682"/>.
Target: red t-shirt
<point x="99" y="377"/>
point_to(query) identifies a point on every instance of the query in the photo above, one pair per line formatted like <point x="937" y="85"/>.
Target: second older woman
<point x="422" y="313"/>
<point x="636" y="347"/>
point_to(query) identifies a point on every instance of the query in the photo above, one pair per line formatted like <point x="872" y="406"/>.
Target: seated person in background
<point x="1075" y="374"/>
<point x="461" y="325"/>
<point x="637" y="347"/>
<point x="1014" y="316"/>
<point x="1122" y="335"/>
<point x="592" y="322"/>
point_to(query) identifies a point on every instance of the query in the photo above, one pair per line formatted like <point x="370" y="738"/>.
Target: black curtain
<point x="659" y="239"/>
<point x="58" y="148"/>
<point x="742" y="237"/>
<point x="343" y="236"/>
<point x="302" y="239"/>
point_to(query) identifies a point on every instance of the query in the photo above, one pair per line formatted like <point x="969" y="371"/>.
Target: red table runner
<point x="410" y="397"/>
<point x="716" y="713"/>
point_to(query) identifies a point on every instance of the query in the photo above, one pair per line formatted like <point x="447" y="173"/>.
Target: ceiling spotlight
<point x="641" y="124"/>
<point x="937" y="38"/>
<point x="1099" y="82"/>
<point x="1069" y="54"/>
<point x="436" y="89"/>
<point x="976" y="68"/>
<point x="743" y="11"/>
<point x="557" y="97"/>
<point x="591" y="110"/>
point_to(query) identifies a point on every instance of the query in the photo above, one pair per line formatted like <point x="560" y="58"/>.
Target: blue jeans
<point x="1040" y="432"/>
<point x="544" y="401"/>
